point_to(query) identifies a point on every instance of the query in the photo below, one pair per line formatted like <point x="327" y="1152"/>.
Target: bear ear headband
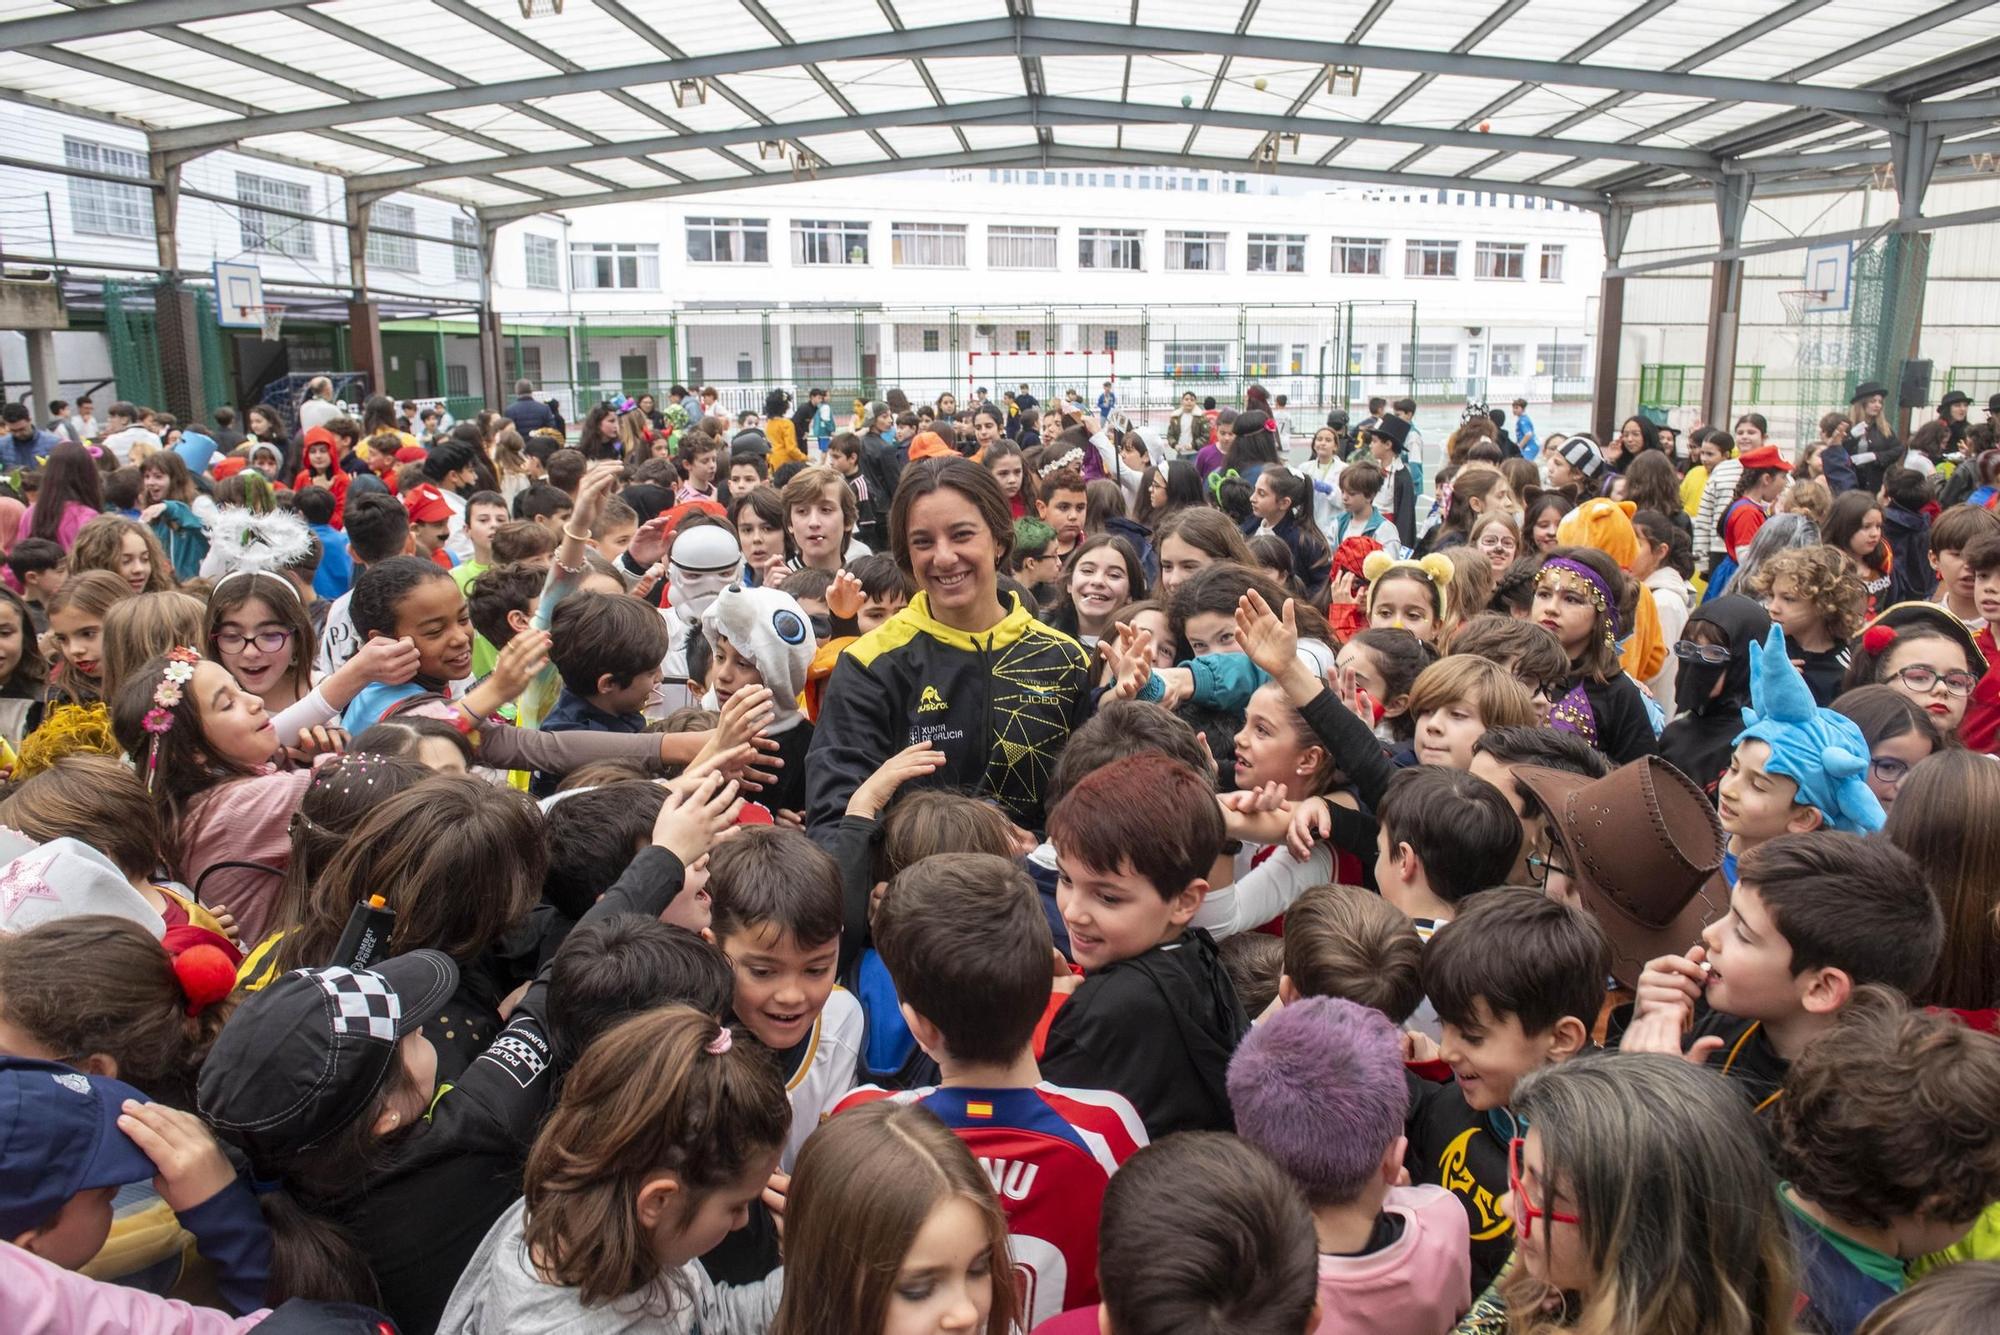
<point x="1434" y="569"/>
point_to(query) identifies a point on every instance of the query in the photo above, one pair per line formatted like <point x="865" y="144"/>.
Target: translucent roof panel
<point x="384" y="88"/>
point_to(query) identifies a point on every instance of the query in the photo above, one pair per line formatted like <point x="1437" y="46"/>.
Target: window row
<point x="1440" y="361"/>
<point x="944" y="246"/>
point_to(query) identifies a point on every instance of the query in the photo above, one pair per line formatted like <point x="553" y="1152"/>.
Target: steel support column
<point x="1610" y="328"/>
<point x="495" y="387"/>
<point x="364" y="319"/>
<point x="1725" y="298"/>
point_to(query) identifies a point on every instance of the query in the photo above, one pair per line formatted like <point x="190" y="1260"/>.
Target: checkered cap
<point x="304" y="1057"/>
<point x="364" y="1006"/>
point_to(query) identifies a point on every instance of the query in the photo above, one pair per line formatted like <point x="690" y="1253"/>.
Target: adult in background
<point x="1871" y="447"/>
<point x="527" y="413"/>
<point x="970" y="672"/>
<point x="317" y="408"/>
<point x="26" y="445"/>
<point x="1944" y="435"/>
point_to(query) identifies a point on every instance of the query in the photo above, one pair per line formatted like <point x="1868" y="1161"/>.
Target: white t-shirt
<point x="338" y="642"/>
<point x="317" y="412"/>
<point x="828" y="1073"/>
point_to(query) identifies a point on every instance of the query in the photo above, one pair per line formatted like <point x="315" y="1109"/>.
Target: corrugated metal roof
<point x="473" y="85"/>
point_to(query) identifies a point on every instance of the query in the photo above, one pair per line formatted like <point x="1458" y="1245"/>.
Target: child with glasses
<point x="1900" y="735"/>
<point x="1930" y="656"/>
<point x="1641" y="1202"/>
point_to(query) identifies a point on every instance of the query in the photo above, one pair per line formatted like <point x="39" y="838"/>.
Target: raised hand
<point x="843" y="596"/>
<point x="694" y="814"/>
<point x="1130" y="655"/>
<point x="592" y="492"/>
<point x="875" y="791"/>
<point x="649" y="544"/>
<point x="1271" y="641"/>
<point x="519" y="662"/>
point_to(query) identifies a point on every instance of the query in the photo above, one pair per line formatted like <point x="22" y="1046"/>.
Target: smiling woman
<point x="986" y="684"/>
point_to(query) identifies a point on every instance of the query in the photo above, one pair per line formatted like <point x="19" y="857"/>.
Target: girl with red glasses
<point x="1642" y="1205"/>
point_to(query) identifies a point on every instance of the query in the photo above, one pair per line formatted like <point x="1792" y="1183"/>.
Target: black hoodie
<point x="1160" y="1029"/>
<point x="1700" y="741"/>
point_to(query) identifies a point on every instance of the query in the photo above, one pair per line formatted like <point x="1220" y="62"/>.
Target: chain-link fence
<point x="1805" y="362"/>
<point x="1319" y="358"/>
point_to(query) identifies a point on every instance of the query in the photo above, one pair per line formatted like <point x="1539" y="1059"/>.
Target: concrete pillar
<point x="180" y="351"/>
<point x="1604" y="409"/>
<point x="364" y="343"/>
<point x="496" y="386"/>
<point x="1725" y="303"/>
<point x="41" y="370"/>
<point x="364" y="316"/>
<point x="166" y="210"/>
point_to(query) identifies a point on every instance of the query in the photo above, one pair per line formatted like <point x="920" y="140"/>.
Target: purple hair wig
<point x="1320" y="1087"/>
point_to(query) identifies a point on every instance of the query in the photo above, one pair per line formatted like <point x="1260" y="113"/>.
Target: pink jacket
<point x="74" y="517"/>
<point x="44" y="1299"/>
<point x="243" y="820"/>
<point x="1421" y="1284"/>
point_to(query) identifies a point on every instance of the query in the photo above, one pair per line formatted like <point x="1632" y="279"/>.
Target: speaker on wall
<point x="1913" y="390"/>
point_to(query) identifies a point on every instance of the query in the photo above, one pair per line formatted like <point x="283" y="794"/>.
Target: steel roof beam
<point x="1060" y="111"/>
<point x="1485" y="29"/>
<point x="132" y="16"/>
<point x="1900" y="87"/>
<point x="1033" y="36"/>
<point x="992" y="157"/>
<point x="1068" y="156"/>
<point x="1603" y="38"/>
<point x="1968" y="218"/>
<point x="1714" y="50"/>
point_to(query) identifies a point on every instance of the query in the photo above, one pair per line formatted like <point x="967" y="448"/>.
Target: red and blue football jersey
<point x="1050" y="1151"/>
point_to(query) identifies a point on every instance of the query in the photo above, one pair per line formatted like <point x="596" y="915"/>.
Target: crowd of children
<point x="997" y="870"/>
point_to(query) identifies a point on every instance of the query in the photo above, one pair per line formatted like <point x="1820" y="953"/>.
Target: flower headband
<point x="159" y="719"/>
<point x="1601" y="596"/>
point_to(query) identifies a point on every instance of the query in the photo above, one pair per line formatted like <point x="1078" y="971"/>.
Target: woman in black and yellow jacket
<point x="986" y="684"/>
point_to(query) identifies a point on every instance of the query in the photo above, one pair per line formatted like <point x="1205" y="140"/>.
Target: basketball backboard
<point x="1829" y="274"/>
<point x="239" y="295"/>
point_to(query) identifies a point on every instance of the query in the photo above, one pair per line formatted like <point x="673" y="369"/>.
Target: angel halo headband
<point x="250" y="573"/>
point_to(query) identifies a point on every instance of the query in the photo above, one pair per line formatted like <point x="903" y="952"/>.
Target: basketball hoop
<point x="272" y="318"/>
<point x="1798" y="300"/>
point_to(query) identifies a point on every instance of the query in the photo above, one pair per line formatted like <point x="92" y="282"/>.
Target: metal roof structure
<point x="1606" y="104"/>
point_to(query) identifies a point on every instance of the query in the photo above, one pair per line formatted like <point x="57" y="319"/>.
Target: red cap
<point x="426" y="504"/>
<point x="754" y="813"/>
<point x="230" y="467"/>
<point x="411" y="454"/>
<point x="1764" y="456"/>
